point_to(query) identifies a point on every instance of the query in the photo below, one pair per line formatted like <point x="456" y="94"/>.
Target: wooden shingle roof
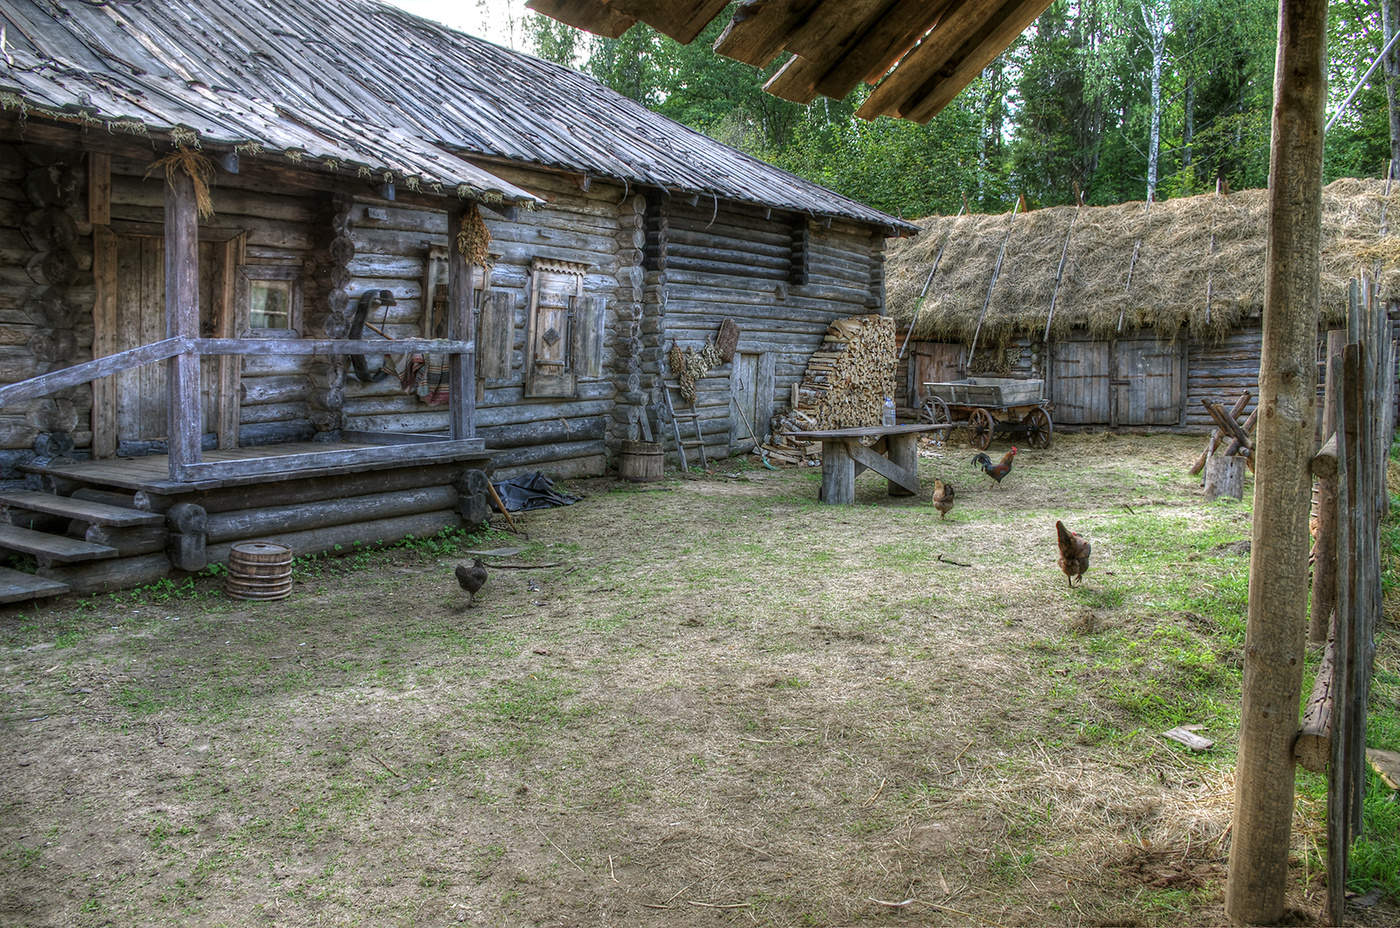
<point x="917" y="53"/>
<point x="365" y="87"/>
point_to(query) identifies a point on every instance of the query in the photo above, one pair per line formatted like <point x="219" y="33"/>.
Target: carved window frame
<point x="556" y="286"/>
<point x="248" y="275"/>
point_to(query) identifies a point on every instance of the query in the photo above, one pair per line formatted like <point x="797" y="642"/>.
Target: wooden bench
<point x="894" y="455"/>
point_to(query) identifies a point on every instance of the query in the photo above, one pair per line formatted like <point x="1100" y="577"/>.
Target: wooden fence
<point x="1359" y="420"/>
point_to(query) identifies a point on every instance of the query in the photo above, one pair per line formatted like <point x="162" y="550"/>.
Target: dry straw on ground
<point x="1185" y="249"/>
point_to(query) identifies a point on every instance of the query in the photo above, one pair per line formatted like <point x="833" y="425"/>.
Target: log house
<point x="316" y="359"/>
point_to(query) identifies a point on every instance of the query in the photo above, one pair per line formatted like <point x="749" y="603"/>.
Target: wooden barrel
<point x="641" y="461"/>
<point x="259" y="570"/>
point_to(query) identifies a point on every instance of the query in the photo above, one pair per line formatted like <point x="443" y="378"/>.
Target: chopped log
<point x="1235" y="446"/>
<point x="128" y="542"/>
<point x="1225" y="476"/>
<point x="302" y="517"/>
<point x="1227" y="423"/>
<point x="348" y="537"/>
<point x="1313" y="747"/>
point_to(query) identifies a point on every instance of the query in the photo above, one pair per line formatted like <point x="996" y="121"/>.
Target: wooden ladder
<point x="694" y="416"/>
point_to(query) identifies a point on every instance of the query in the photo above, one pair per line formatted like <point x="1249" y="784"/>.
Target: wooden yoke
<point x="182" y="319"/>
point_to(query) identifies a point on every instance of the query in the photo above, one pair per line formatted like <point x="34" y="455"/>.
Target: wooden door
<point x="1146" y="381"/>
<point x="751" y="386"/>
<point x="930" y="362"/>
<point x="1080" y="383"/>
<point x="142" y="394"/>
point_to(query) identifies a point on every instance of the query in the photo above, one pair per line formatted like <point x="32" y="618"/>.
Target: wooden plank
<point x="286" y="347"/>
<point x="78" y="509"/>
<point x="978" y="51"/>
<point x="99" y="188"/>
<point x="757" y="34"/>
<point x="80" y="374"/>
<point x="16" y="587"/>
<point x="293" y="464"/>
<point x="104" y="340"/>
<point x="883" y="466"/>
<point x="497" y="335"/>
<point x="462" y="367"/>
<point x="226" y="325"/>
<point x="51" y="547"/>
<point x="182" y="319"/>
<point x="595" y="16"/>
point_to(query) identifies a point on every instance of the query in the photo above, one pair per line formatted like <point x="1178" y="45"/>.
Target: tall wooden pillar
<point x="462" y="367"/>
<point x="1278" y="575"/>
<point x="182" y="319"/>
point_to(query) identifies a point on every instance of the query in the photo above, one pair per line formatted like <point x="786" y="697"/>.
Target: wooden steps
<point x="18" y="587"/>
<point x="80" y="509"/>
<point x="54" y="548"/>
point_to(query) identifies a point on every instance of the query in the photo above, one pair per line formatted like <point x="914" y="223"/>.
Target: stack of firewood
<point x="845" y="385"/>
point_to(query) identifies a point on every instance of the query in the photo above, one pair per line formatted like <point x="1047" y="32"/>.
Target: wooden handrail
<point x="165" y="349"/>
<point x="79" y="374"/>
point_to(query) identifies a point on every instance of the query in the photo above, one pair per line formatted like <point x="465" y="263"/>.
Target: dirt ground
<point x="713" y="701"/>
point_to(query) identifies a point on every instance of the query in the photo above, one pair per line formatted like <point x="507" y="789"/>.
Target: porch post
<point x="182" y="319"/>
<point x="462" y="369"/>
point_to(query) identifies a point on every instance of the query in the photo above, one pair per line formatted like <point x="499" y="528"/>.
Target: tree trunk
<point x="1155" y="20"/>
<point x="1390" y="20"/>
<point x="1278" y="576"/>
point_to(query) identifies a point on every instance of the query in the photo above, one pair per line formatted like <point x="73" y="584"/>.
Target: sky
<point x="496" y="20"/>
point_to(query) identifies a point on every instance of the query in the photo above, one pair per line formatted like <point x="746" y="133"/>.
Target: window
<point x="272" y="300"/>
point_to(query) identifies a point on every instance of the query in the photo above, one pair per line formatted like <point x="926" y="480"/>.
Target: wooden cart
<point x="990" y="406"/>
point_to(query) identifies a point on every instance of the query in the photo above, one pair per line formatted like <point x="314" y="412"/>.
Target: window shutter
<point x="589" y="320"/>
<point x="494" y="342"/>
<point x="556" y="292"/>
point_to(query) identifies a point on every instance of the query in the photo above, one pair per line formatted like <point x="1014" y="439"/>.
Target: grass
<point x="724" y="694"/>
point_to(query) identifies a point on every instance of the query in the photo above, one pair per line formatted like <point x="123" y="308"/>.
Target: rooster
<point x="997" y="471"/>
<point x="472" y="578"/>
<point x="1074" y="553"/>
<point x="942" y="497"/>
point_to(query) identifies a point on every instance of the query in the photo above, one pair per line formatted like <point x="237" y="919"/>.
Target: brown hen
<point x="1074" y="553"/>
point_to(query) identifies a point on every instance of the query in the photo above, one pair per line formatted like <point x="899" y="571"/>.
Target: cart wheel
<point x="935" y="411"/>
<point x="982" y="427"/>
<point x="1039" y="428"/>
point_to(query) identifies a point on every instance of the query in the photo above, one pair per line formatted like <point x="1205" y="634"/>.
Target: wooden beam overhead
<point x="759" y="30"/>
<point x="882" y="46"/>
<point x="932" y="97"/>
<point x="593" y="16"/>
<point x="836" y="43"/>
<point x="965" y="27"/>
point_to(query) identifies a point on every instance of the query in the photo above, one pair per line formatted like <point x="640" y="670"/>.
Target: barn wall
<point x="732" y="261"/>
<point x="45" y="301"/>
<point x="1220" y="371"/>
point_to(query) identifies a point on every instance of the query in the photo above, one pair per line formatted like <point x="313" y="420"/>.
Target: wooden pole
<point x="996" y="272"/>
<point x="1278" y="576"/>
<point x="182" y="320"/>
<point x="1324" y="597"/>
<point x="918" y="307"/>
<point x="461" y="367"/>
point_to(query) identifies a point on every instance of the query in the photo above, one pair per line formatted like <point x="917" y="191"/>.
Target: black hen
<point x="472" y="578"/>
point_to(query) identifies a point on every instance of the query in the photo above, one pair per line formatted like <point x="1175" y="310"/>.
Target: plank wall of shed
<point x="732" y="261"/>
<point x="23" y="329"/>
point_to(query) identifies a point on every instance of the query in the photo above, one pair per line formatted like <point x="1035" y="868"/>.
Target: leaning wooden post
<point x="1324" y="592"/>
<point x="461" y="367"/>
<point x="182" y="319"/>
<point x="1278" y="576"/>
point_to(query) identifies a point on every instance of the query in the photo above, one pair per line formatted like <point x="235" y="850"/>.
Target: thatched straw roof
<point x="1174" y="269"/>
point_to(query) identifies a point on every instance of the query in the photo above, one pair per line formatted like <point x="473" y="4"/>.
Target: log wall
<point x="782" y="278"/>
<point x="732" y="261"/>
<point x="46" y="294"/>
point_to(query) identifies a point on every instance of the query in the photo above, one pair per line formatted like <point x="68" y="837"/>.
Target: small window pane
<point x="270" y="304"/>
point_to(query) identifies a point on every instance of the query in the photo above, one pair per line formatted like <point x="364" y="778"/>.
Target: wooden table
<point x="894" y="456"/>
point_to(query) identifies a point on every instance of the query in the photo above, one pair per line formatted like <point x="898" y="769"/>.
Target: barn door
<point x="142" y="398"/>
<point x="751" y="384"/>
<point x="1147" y="382"/>
<point x="1080" y="382"/>
<point x="930" y="362"/>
